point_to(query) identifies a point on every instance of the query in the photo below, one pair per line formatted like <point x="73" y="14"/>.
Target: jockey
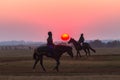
<point x="81" y="39"/>
<point x="50" y="43"/>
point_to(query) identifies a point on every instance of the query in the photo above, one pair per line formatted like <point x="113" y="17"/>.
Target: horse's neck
<point x="59" y="49"/>
<point x="75" y="43"/>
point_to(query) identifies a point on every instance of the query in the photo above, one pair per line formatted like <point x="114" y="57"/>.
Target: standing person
<point x="50" y="43"/>
<point x="81" y="39"/>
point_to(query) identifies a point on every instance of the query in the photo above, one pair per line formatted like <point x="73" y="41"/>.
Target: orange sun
<point x="64" y="36"/>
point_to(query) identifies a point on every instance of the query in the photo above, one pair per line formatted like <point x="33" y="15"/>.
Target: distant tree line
<point x="99" y="43"/>
<point x="16" y="48"/>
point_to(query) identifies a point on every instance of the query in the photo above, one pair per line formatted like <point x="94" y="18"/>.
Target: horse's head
<point x="69" y="51"/>
<point x="71" y="40"/>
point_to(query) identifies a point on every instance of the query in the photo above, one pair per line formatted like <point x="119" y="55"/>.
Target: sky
<point x="30" y="20"/>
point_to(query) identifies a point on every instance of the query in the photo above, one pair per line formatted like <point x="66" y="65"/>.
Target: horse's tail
<point x="35" y="55"/>
<point x="92" y="49"/>
<point x="88" y="46"/>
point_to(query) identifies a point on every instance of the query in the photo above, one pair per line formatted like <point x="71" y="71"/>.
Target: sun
<point x="65" y="36"/>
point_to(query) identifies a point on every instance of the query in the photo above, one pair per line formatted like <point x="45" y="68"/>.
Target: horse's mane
<point x="76" y="42"/>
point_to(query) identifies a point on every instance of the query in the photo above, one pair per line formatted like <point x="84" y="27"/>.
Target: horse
<point x="85" y="46"/>
<point x="41" y="51"/>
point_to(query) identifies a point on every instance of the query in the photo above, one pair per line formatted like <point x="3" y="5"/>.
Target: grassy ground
<point x="103" y="65"/>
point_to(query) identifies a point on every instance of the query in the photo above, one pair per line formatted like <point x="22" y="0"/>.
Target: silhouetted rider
<point x="50" y="43"/>
<point x="81" y="39"/>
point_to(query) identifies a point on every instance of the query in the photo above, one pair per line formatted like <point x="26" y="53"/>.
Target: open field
<point x="103" y="65"/>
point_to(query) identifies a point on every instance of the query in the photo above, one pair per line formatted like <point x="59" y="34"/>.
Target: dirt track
<point x="101" y="64"/>
<point x="107" y="65"/>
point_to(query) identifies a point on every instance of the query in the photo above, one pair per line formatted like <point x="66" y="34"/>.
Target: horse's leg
<point x="36" y="61"/>
<point x="88" y="51"/>
<point x="57" y="65"/>
<point x="77" y="53"/>
<point x="41" y="62"/>
<point x="85" y="51"/>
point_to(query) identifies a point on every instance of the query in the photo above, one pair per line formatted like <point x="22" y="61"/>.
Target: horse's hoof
<point x="33" y="70"/>
<point x="54" y="68"/>
<point x="57" y="70"/>
<point x="44" y="70"/>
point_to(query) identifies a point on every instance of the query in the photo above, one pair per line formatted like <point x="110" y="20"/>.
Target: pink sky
<point x="30" y="20"/>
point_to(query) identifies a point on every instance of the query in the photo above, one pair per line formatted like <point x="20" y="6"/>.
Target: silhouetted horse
<point x="85" y="46"/>
<point x="44" y="50"/>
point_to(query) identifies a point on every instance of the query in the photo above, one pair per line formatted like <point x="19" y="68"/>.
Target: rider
<point x="50" y="43"/>
<point x="81" y="39"/>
